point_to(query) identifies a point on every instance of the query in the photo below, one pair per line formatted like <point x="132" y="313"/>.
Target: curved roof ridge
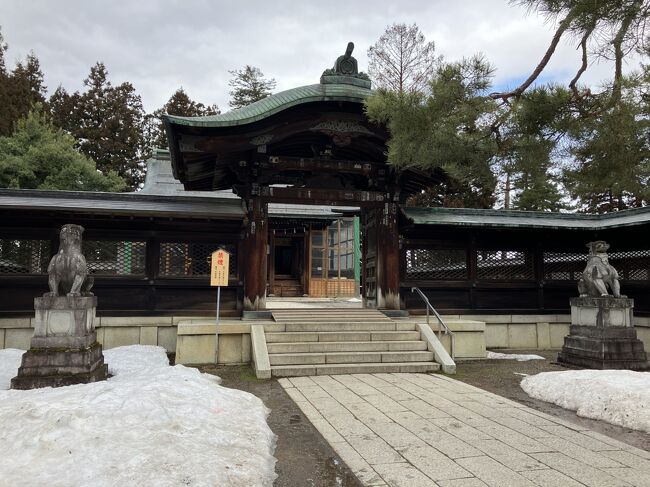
<point x="275" y="103"/>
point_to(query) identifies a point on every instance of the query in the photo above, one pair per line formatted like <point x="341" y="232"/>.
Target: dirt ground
<point x="304" y="456"/>
<point x="501" y="377"/>
<point x="306" y="459"/>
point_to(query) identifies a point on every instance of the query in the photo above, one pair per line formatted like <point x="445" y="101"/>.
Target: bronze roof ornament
<point x="346" y="70"/>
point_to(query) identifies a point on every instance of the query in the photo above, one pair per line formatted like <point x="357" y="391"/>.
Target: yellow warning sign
<point x="219" y="268"/>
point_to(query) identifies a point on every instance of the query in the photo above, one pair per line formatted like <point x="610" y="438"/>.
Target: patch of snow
<point x="619" y="397"/>
<point x="9" y="362"/>
<point x="354" y="300"/>
<point x="150" y="424"/>
<point x="519" y="373"/>
<point x="512" y="356"/>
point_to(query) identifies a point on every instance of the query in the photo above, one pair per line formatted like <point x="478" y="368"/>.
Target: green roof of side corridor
<point x="530" y="219"/>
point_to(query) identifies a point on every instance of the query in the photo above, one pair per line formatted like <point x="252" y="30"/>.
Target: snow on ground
<point x="150" y="424"/>
<point x="512" y="356"/>
<point x="9" y="362"/>
<point x="619" y="397"/>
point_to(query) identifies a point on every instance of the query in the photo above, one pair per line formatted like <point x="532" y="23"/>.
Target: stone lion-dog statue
<point x="599" y="273"/>
<point x="68" y="272"/>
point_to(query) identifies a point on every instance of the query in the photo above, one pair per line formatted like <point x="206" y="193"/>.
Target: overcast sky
<point x="160" y="45"/>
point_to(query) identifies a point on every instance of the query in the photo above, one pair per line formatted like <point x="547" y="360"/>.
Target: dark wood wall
<point x="513" y="270"/>
<point x="152" y="288"/>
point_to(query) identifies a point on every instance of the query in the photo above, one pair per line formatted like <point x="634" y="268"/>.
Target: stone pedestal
<point x="602" y="335"/>
<point x="64" y="349"/>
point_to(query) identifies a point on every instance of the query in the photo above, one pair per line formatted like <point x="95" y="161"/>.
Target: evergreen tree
<point x="108" y="123"/>
<point x="179" y="104"/>
<point x="26" y="86"/>
<point x="5" y="121"/>
<point x="3" y="50"/>
<point x="401" y="60"/>
<point x="530" y="153"/>
<point x="19" y="89"/>
<point x="248" y="86"/>
<point x="448" y="131"/>
<point x="611" y="151"/>
<point x="40" y="156"/>
<point x="608" y="29"/>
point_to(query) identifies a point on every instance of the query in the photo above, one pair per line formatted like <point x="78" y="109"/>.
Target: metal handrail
<point x="447" y="330"/>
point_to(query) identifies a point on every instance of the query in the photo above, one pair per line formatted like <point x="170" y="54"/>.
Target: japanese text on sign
<point x="219" y="268"/>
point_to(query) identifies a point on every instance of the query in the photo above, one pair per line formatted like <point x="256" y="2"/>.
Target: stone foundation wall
<point x="469" y="337"/>
<point x="111" y="331"/>
<point x="501" y="331"/>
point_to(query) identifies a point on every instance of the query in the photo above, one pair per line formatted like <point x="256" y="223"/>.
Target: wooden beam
<point x="328" y="197"/>
<point x="284" y="163"/>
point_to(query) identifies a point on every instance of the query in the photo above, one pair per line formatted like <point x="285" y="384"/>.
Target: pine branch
<point x="564" y="25"/>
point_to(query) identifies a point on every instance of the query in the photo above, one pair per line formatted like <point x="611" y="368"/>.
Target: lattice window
<point x="436" y="264"/>
<point x="192" y="259"/>
<point x="115" y="257"/>
<point x="504" y="265"/>
<point x="564" y="266"/>
<point x="632" y="264"/>
<point x="24" y="256"/>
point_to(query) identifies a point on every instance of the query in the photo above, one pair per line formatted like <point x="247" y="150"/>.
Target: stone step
<point x="328" y="311"/>
<point x="331" y="320"/>
<point x="318" y="315"/>
<point x="342" y="326"/>
<point x="355" y="346"/>
<point x="348" y="357"/>
<point x="367" y="368"/>
<point x="342" y="336"/>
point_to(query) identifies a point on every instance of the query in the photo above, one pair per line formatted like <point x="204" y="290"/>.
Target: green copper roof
<point x="526" y="219"/>
<point x="276" y="103"/>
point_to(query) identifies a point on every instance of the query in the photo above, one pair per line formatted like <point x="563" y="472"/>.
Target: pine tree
<point x="611" y="167"/>
<point x="38" y="155"/>
<point x="447" y="132"/>
<point x="248" y="86"/>
<point x="531" y="154"/>
<point x="605" y="29"/>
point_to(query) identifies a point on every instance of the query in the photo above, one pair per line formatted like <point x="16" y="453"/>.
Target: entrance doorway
<point x="334" y="260"/>
<point x="286" y="266"/>
<point x="318" y="260"/>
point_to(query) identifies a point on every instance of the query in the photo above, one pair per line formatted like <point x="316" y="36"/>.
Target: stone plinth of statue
<point x="64" y="348"/>
<point x="602" y="334"/>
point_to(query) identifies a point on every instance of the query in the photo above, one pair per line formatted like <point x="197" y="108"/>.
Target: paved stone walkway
<point x="413" y="430"/>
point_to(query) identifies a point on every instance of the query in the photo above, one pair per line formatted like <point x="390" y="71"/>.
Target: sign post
<point x="219" y="266"/>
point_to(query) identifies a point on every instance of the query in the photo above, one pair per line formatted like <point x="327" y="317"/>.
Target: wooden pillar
<point x="255" y="246"/>
<point x="388" y="260"/>
<point x="271" y="263"/>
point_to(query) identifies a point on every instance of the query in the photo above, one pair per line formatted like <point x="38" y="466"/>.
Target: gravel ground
<point x="503" y="377"/>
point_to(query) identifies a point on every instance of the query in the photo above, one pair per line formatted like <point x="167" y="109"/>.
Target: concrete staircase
<point x="344" y="341"/>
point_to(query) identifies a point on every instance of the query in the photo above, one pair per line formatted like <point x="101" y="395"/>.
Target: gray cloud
<point x="160" y="45"/>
